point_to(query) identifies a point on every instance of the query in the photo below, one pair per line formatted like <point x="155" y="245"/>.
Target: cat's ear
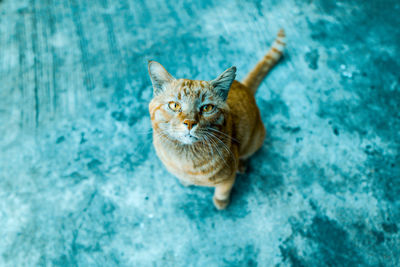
<point x="223" y="82"/>
<point x="159" y="76"/>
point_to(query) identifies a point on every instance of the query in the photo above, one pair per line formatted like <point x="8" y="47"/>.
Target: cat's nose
<point x="189" y="124"/>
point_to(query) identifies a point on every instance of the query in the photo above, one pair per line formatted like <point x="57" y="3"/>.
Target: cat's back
<point x="241" y="101"/>
<point x="239" y="93"/>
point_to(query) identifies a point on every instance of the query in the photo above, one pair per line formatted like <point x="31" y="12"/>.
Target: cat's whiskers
<point x="162" y="135"/>
<point x="225" y="147"/>
<point x="144" y="132"/>
<point x="210" y="146"/>
<point x="227" y="136"/>
<point x="216" y="148"/>
<point x="204" y="144"/>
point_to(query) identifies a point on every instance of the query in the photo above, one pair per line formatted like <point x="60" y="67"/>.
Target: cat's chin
<point x="188" y="139"/>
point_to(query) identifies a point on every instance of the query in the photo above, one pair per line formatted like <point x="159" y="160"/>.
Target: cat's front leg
<point x="222" y="193"/>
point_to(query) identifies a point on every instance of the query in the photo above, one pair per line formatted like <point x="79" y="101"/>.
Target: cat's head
<point x="185" y="110"/>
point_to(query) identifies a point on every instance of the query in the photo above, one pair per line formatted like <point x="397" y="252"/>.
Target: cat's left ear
<point x="223" y="82"/>
<point x="159" y="76"/>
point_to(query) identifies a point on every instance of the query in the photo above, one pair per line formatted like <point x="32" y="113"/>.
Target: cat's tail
<point x="257" y="75"/>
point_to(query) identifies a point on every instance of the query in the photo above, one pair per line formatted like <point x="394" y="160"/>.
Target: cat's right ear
<point x="223" y="82"/>
<point x="159" y="76"/>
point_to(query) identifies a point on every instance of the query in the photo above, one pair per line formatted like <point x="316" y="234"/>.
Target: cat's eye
<point x="174" y="106"/>
<point x="207" y="108"/>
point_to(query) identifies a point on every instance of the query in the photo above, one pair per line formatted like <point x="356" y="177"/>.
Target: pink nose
<point x="190" y="124"/>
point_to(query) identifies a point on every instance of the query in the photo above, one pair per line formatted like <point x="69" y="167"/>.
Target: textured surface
<point x="80" y="183"/>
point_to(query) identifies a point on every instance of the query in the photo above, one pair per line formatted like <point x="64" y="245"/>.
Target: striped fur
<point x="208" y="148"/>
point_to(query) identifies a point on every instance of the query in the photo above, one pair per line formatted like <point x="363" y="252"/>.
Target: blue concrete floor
<point x="80" y="183"/>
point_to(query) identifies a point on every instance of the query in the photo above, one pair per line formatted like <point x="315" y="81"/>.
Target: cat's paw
<point x="220" y="204"/>
<point x="242" y="166"/>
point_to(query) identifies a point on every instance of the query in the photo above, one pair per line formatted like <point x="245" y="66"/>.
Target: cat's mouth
<point x="189" y="139"/>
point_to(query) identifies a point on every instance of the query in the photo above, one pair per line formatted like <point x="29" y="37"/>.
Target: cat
<point x="203" y="131"/>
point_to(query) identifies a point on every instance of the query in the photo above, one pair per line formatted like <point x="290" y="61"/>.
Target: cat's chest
<point x="187" y="165"/>
<point x="185" y="160"/>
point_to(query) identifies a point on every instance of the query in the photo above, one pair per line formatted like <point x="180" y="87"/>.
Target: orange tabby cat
<point x="203" y="131"/>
